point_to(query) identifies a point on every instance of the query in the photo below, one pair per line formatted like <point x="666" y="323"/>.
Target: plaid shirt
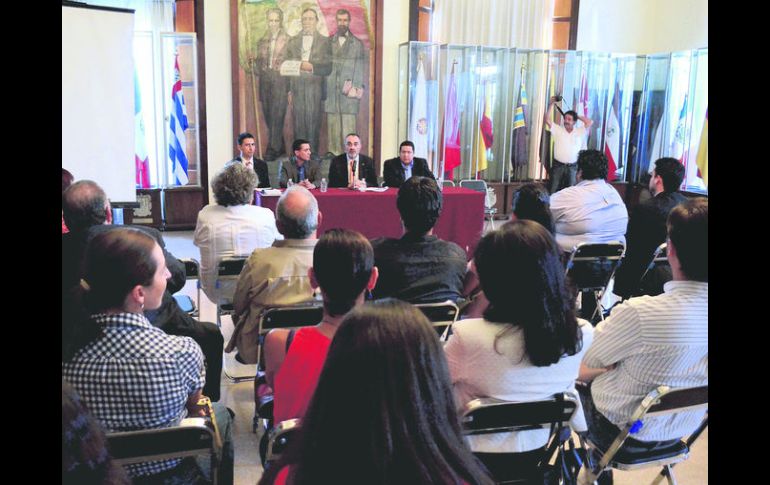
<point x="136" y="377"/>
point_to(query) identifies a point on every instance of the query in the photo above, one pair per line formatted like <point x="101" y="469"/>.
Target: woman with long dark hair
<point x="131" y="374"/>
<point x="383" y="411"/>
<point x="528" y="345"/>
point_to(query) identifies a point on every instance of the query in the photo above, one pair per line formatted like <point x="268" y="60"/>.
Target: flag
<point x="485" y="135"/>
<point x="612" y="136"/>
<point x="582" y="106"/>
<point x="141" y="158"/>
<point x="546" y="144"/>
<point x="520" y="152"/>
<point x="451" y="129"/>
<point x="656" y="144"/>
<point x="702" y="159"/>
<point x="678" y="150"/>
<point x="177" y="125"/>
<point x="418" y="126"/>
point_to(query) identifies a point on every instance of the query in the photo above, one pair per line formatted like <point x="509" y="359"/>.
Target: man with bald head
<point x="278" y="275"/>
<point x="87" y="213"/>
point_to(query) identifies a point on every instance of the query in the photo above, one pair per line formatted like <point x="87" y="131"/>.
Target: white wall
<point x="396" y="31"/>
<point x="642" y="26"/>
<point x="219" y="92"/>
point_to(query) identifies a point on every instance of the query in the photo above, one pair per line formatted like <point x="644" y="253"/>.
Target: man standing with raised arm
<point x="568" y="141"/>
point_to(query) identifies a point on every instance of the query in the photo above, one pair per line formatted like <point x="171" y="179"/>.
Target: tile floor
<point x="240" y="398"/>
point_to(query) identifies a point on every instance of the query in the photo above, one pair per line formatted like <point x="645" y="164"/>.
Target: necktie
<point x="352" y="176"/>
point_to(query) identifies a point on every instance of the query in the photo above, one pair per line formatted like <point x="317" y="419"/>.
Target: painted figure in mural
<point x="345" y="83"/>
<point x="308" y="90"/>
<point x="273" y="88"/>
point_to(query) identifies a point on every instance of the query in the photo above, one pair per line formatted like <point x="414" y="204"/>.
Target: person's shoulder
<point x="364" y="158"/>
<point x="339" y="159"/>
<point x="389" y="162"/>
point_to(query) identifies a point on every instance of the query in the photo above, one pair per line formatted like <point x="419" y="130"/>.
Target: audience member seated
<point x="383" y="410"/>
<point x="527" y="347"/>
<point x="278" y="275"/>
<point x="85" y="456"/>
<point x="591" y="211"/>
<point x="131" y="374"/>
<point x="419" y="267"/>
<point x="231" y="227"/>
<point x="532" y="202"/>
<point x="66" y="181"/>
<point x="246" y="147"/>
<point x="647" y="230"/>
<point x="87" y="213"/>
<point x="650" y="341"/>
<point x="343" y="268"/>
<point x="398" y="170"/>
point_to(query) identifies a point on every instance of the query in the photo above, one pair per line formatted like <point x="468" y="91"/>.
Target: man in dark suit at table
<point x="348" y="169"/>
<point x="300" y="169"/>
<point x="246" y="146"/>
<point x="397" y="170"/>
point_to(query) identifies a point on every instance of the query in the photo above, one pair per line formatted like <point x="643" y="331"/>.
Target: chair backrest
<point x="442" y="315"/>
<point x="300" y="315"/>
<point x="229" y="269"/>
<point x="447" y="183"/>
<point x="192" y="268"/>
<point x="591" y="266"/>
<point x="489" y="415"/>
<point x="139" y="446"/>
<point x="280" y="438"/>
<point x="477" y="185"/>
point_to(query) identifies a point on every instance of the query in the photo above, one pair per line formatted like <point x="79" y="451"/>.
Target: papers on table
<point x="270" y="192"/>
<point x="376" y="189"/>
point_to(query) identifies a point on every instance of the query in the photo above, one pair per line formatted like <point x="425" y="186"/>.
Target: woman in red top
<point x="343" y="267"/>
<point x="383" y="411"/>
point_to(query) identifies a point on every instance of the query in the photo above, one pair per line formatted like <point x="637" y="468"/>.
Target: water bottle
<point x="362" y="185"/>
<point x="324" y="185"/>
<point x="289" y="183"/>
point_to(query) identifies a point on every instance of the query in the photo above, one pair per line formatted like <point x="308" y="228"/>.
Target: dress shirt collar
<point x="294" y="243"/>
<point x="686" y="286"/>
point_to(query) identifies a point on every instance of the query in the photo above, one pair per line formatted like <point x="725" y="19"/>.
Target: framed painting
<point x="304" y="69"/>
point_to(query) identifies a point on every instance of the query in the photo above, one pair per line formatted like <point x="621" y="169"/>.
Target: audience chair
<point x="228" y="269"/>
<point x="590" y="267"/>
<point x="489" y="200"/>
<point x="656" y="274"/>
<point x="661" y="401"/>
<point x="191" y="438"/>
<point x="490" y="415"/>
<point x="192" y="269"/>
<point x="447" y="183"/>
<point x="293" y="316"/>
<point x="442" y="315"/>
<point x="280" y="437"/>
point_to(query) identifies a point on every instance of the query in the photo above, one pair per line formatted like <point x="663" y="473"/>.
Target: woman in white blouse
<point x="529" y="344"/>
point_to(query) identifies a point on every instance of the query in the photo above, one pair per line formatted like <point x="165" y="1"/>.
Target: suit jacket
<point x="289" y="170"/>
<point x="348" y="64"/>
<point x="393" y="172"/>
<point x="279" y="86"/>
<point x="338" y="171"/>
<point x="646" y="231"/>
<point x="320" y="58"/>
<point x="260" y="166"/>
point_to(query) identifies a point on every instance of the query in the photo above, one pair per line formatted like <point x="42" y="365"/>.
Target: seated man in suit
<point x="350" y="168"/>
<point x="397" y="170"/>
<point x="246" y="146"/>
<point x="300" y="168"/>
<point x="419" y="267"/>
<point x="87" y="213"/>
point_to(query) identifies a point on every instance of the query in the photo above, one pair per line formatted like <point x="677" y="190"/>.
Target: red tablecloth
<point x="374" y="214"/>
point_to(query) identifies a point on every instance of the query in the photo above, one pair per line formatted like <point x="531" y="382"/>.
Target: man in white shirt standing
<point x="651" y="341"/>
<point x="568" y="141"/>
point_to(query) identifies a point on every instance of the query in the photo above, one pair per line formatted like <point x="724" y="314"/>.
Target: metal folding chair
<point x="294" y="316"/>
<point x="447" y="183"/>
<point x="228" y="270"/>
<point x="489" y="200"/>
<point x="190" y="438"/>
<point x="442" y="315"/>
<point x="661" y="401"/>
<point x="489" y="415"/>
<point x="280" y="438"/>
<point x="591" y="267"/>
<point x="192" y="269"/>
<point x="656" y="273"/>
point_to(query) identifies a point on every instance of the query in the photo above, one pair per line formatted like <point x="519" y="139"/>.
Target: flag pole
<point x="253" y="67"/>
